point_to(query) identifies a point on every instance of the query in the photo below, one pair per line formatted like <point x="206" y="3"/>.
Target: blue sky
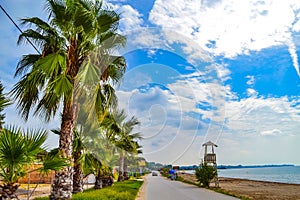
<point x="219" y="70"/>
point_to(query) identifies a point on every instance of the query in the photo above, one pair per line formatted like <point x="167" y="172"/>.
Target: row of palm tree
<point x="115" y="139"/>
<point x="75" y="72"/>
<point x="96" y="153"/>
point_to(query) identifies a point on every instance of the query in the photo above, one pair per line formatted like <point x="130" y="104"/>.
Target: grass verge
<point x="126" y="190"/>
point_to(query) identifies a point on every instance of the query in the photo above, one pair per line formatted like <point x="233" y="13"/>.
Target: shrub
<point x="126" y="190"/>
<point x="205" y="173"/>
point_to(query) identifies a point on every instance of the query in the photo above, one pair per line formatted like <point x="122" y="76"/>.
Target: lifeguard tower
<point x="210" y="158"/>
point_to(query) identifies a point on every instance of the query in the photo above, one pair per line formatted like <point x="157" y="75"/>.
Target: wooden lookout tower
<point x="210" y="157"/>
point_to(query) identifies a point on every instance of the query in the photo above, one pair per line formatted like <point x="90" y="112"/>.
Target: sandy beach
<point x="258" y="190"/>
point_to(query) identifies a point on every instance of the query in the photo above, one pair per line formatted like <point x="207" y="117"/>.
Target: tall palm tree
<point x="17" y="152"/>
<point x="3" y="103"/>
<point x="76" y="30"/>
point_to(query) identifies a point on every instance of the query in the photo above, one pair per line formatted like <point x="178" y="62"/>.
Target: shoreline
<point x="253" y="189"/>
<point x="263" y="181"/>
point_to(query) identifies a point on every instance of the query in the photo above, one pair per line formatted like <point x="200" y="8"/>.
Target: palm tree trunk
<point x="126" y="175"/>
<point x="63" y="183"/>
<point x="121" y="167"/>
<point x="8" y="190"/>
<point x="99" y="180"/>
<point x="78" y="175"/>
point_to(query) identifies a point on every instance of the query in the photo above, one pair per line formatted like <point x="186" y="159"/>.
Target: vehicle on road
<point x="154" y="174"/>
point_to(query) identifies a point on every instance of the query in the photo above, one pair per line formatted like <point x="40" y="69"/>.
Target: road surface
<point x="160" y="188"/>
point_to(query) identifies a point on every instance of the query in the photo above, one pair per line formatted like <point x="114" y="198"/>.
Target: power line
<point x="18" y="28"/>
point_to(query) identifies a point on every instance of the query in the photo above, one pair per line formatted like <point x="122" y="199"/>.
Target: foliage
<point x="3" y="103"/>
<point x="126" y="190"/>
<point x="165" y="172"/>
<point x="205" y="173"/>
<point x="78" y="35"/>
<point x="17" y="152"/>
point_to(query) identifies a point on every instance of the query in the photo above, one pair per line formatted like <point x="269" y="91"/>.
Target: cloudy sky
<point x="219" y="70"/>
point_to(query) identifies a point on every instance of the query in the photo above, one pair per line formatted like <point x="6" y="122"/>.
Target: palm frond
<point x="34" y="36"/>
<point x="18" y="150"/>
<point x="107" y="20"/>
<point x="34" y="141"/>
<point x="56" y="10"/>
<point x="41" y="26"/>
<point x="48" y="105"/>
<point x="26" y="92"/>
<point x="53" y="163"/>
<point x="25" y="63"/>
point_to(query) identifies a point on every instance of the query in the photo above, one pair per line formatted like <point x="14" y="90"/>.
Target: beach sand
<point x="259" y="190"/>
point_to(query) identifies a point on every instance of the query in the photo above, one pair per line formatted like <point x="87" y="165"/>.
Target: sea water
<point x="286" y="174"/>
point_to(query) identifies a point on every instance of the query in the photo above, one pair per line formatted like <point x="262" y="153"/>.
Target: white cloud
<point x="251" y="80"/>
<point x="273" y="132"/>
<point x="173" y="135"/>
<point x="151" y="53"/>
<point x="293" y="53"/>
<point x="130" y="20"/>
<point x="234" y="27"/>
<point x="255" y="115"/>
<point x="252" y="92"/>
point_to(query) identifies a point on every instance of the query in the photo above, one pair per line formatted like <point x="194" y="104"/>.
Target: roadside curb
<point x="142" y="192"/>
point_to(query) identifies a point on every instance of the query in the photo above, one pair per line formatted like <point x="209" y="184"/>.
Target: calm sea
<point x="289" y="174"/>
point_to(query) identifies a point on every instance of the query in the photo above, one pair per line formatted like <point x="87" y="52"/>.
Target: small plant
<point x="165" y="172"/>
<point x="205" y="173"/>
<point x="18" y="151"/>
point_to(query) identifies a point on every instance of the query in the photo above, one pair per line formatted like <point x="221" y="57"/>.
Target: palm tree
<point x="17" y="152"/>
<point x="128" y="147"/>
<point x="93" y="127"/>
<point x="77" y="30"/>
<point x="125" y="140"/>
<point x="3" y="103"/>
<point x="102" y="153"/>
<point x="92" y="165"/>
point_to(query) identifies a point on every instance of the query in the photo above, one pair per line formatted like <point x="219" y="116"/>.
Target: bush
<point x="165" y="172"/>
<point x="205" y="174"/>
<point x="126" y="190"/>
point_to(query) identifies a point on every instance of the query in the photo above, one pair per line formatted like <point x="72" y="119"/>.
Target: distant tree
<point x="126" y="141"/>
<point x="205" y="173"/>
<point x="3" y="103"/>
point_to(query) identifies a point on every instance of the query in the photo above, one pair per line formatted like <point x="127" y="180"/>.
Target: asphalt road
<point x="160" y="188"/>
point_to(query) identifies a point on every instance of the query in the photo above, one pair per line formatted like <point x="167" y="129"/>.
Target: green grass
<point x="126" y="190"/>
